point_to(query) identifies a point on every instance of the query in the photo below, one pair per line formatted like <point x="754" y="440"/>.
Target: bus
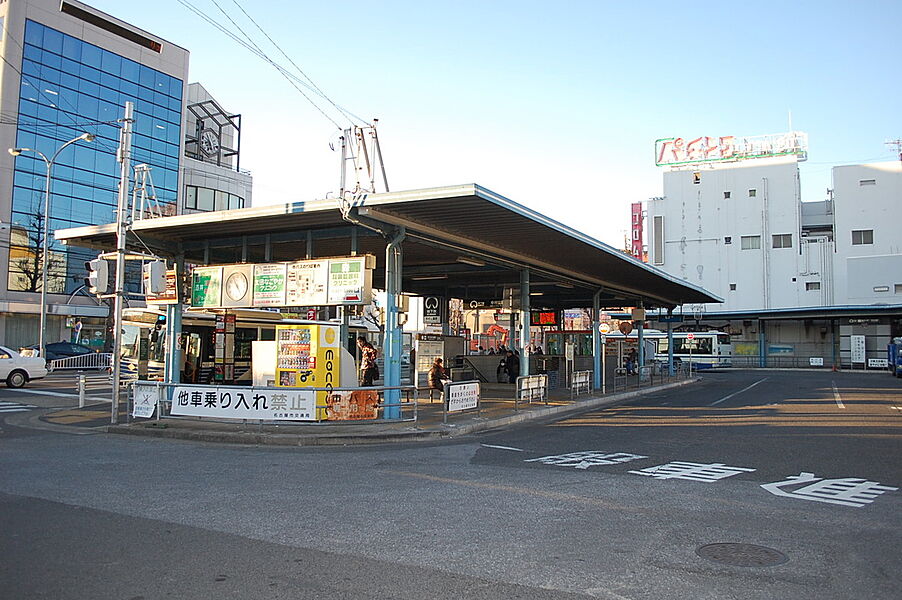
<point x="704" y="349"/>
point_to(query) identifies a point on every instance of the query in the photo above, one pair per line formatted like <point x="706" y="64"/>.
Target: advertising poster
<point x="269" y="284"/>
<point x="348" y="281"/>
<point x="206" y="287"/>
<point x="307" y="282"/>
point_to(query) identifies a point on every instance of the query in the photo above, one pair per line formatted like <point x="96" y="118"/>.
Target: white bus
<point x="704" y="349"/>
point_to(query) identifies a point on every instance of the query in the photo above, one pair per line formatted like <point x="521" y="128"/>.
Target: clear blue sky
<point x="554" y="105"/>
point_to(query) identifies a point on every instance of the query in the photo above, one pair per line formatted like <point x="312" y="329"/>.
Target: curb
<point x="446" y="432"/>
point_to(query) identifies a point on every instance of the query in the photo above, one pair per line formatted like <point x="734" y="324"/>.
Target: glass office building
<point x="69" y="87"/>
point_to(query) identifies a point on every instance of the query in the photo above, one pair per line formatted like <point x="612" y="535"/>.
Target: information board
<point x="858" y="348"/>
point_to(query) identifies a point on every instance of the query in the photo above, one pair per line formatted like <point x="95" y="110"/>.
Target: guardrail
<point x="529" y="388"/>
<point x="648" y="375"/>
<point x="94" y="360"/>
<point x="267" y="405"/>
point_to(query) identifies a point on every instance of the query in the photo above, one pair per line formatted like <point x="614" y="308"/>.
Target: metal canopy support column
<point x="640" y="339"/>
<point x="392" y="346"/>
<point x="597" y="346"/>
<point x="670" y="370"/>
<point x="524" y="321"/>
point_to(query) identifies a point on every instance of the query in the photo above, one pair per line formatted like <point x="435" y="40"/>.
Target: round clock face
<point x="236" y="286"/>
<point x="209" y="142"/>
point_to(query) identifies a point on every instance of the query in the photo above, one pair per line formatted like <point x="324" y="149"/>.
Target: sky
<point x="555" y="106"/>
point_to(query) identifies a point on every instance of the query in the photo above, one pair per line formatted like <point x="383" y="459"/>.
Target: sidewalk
<point x="497" y="411"/>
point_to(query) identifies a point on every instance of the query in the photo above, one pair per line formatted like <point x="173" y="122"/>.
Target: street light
<point x="45" y="249"/>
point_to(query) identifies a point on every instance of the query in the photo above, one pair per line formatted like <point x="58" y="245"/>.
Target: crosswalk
<point x="13" y="407"/>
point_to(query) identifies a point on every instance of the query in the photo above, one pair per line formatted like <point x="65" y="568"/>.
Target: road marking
<point x="11" y="407"/>
<point x="524" y="491"/>
<point x="745" y="389"/>
<point x="59" y="394"/>
<point x="503" y="448"/>
<point x="836" y="396"/>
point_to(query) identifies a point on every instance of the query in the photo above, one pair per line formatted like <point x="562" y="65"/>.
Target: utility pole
<point x="124" y="157"/>
<point x="895" y="144"/>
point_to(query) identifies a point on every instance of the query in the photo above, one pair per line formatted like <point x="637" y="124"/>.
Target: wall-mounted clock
<point x="209" y="142"/>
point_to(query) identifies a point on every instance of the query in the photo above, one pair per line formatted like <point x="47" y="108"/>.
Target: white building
<point x="736" y="226"/>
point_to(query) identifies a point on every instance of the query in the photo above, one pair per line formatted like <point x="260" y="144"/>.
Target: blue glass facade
<point x="70" y="87"/>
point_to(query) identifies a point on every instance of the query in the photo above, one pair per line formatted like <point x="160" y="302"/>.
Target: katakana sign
<point x="223" y="402"/>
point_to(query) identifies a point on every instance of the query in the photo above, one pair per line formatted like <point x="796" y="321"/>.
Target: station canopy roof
<point x="460" y="242"/>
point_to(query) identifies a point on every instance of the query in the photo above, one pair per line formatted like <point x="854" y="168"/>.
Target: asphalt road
<point x="610" y="504"/>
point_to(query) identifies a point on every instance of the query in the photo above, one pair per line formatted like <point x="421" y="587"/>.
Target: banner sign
<point x="704" y="149"/>
<point x="222" y="402"/>
<point x="357" y="405"/>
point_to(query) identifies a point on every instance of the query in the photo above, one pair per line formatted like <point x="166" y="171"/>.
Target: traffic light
<point x="155" y="277"/>
<point x="98" y="279"/>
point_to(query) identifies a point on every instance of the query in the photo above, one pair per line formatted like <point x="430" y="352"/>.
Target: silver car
<point x="17" y="370"/>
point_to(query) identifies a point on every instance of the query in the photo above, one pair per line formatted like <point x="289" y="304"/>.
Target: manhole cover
<point x="742" y="555"/>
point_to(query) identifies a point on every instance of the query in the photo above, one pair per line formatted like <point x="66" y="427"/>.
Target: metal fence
<point x="94" y="360"/>
<point x="580" y="383"/>
<point x="529" y="388"/>
<point x="649" y="375"/>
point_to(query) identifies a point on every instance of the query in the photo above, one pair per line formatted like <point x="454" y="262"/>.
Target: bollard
<point x="81" y="391"/>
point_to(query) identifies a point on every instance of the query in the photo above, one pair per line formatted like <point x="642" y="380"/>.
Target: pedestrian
<point x="501" y="370"/>
<point x="512" y="367"/>
<point x="438" y="375"/>
<point x="631" y="359"/>
<point x="369" y="372"/>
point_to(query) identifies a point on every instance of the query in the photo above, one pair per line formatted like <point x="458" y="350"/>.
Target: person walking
<point x="368" y="369"/>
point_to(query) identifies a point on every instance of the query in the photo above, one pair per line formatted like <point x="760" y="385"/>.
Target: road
<point x="610" y="504"/>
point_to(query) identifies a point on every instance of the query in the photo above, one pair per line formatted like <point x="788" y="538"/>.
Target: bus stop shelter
<point x="461" y="241"/>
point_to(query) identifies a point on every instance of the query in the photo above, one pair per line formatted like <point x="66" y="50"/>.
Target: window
<point x="750" y="242"/>
<point x="728" y="240"/>
<point x="205" y="199"/>
<point x="753" y="192"/>
<point x="658" y="237"/>
<point x="812" y="286"/>
<point x="897" y="289"/>
<point x="782" y="240"/>
<point x="867" y="182"/>
<point x="862" y="237"/>
<point x="726" y="195"/>
<point x="732" y="287"/>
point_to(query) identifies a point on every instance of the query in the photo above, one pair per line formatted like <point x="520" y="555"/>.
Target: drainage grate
<point x="742" y="555"/>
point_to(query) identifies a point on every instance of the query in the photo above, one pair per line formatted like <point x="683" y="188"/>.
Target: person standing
<point x="512" y="367"/>
<point x="368" y="369"/>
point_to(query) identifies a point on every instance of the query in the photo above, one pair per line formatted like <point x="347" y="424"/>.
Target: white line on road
<point x="745" y="389"/>
<point x="836" y="396"/>
<point x="503" y="448"/>
<point x="59" y="394"/>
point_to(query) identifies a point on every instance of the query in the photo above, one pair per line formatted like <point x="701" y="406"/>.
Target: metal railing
<point x="163" y="395"/>
<point x="649" y="375"/>
<point x="94" y="360"/>
<point x="580" y="383"/>
<point x="529" y="388"/>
